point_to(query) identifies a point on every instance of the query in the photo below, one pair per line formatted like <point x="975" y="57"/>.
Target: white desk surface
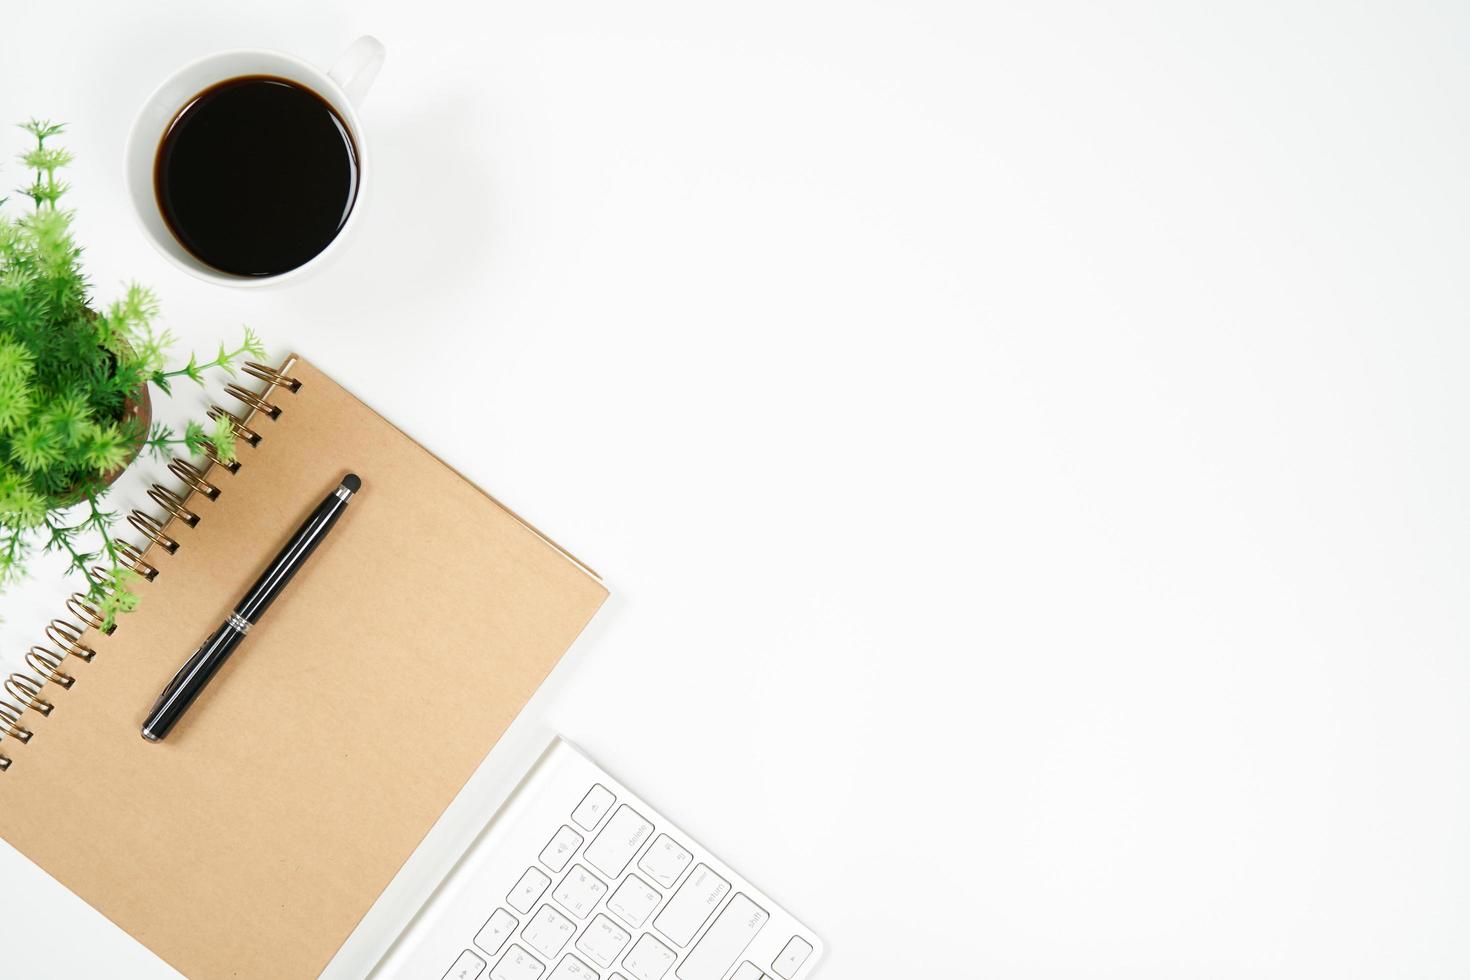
<point x="1027" y="442"/>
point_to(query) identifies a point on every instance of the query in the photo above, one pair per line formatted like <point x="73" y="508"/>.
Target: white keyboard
<point x="576" y="878"/>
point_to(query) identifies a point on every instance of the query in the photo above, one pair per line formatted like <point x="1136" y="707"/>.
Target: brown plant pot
<point x="138" y="406"/>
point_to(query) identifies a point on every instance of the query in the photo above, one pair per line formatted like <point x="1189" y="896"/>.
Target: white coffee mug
<point x="343" y="86"/>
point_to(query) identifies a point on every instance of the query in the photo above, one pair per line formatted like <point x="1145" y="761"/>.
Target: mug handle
<point x="355" y="70"/>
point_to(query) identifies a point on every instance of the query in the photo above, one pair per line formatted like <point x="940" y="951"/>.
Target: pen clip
<point x="177" y="679"/>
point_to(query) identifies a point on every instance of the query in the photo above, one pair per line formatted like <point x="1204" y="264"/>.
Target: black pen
<point x="209" y="658"/>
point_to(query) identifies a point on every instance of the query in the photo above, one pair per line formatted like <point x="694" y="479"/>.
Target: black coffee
<point x="256" y="175"/>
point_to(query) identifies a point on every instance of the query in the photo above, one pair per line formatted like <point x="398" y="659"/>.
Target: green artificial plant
<point x="70" y="373"/>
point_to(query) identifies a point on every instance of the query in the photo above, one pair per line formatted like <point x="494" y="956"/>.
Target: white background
<point x="1026" y="442"/>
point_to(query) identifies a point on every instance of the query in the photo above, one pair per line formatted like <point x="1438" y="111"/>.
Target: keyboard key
<point x="792" y="957"/>
<point x="467" y="966"/>
<point x="618" y="842"/>
<point x="502" y="926"/>
<point x="594" y="807"/>
<point x="572" y="968"/>
<point x="579" y="892"/>
<point x="692" y="905"/>
<point x="517" y="964"/>
<point x="747" y="971"/>
<point x="665" y="861"/>
<point x="722" y="945"/>
<point x="559" y="850"/>
<point x="649" y="959"/>
<point x="548" y="932"/>
<point x="634" y="901"/>
<point x="603" y="941"/>
<point x="528" y="890"/>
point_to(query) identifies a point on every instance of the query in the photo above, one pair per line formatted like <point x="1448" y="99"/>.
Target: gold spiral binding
<point x="241" y="430"/>
<point x="253" y="400"/>
<point x="153" y="531"/>
<point x="193" y="478"/>
<point x="47" y="665"/>
<point x="10" y="717"/>
<point x="29" y="689"/>
<point x="272" y="377"/>
<point x="232" y="467"/>
<point x="172" y="504"/>
<point x="134" y="558"/>
<point x="82" y="608"/>
<point x="68" y="638"/>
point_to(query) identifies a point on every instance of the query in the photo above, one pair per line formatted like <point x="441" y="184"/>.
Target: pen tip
<point x="351" y="482"/>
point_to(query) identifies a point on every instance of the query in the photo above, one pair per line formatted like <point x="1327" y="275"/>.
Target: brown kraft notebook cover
<point x="252" y="840"/>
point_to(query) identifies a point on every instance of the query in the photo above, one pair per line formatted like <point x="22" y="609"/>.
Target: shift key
<point x="732" y="932"/>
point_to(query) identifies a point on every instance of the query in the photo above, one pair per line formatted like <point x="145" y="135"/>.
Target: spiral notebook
<point x="251" y="842"/>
